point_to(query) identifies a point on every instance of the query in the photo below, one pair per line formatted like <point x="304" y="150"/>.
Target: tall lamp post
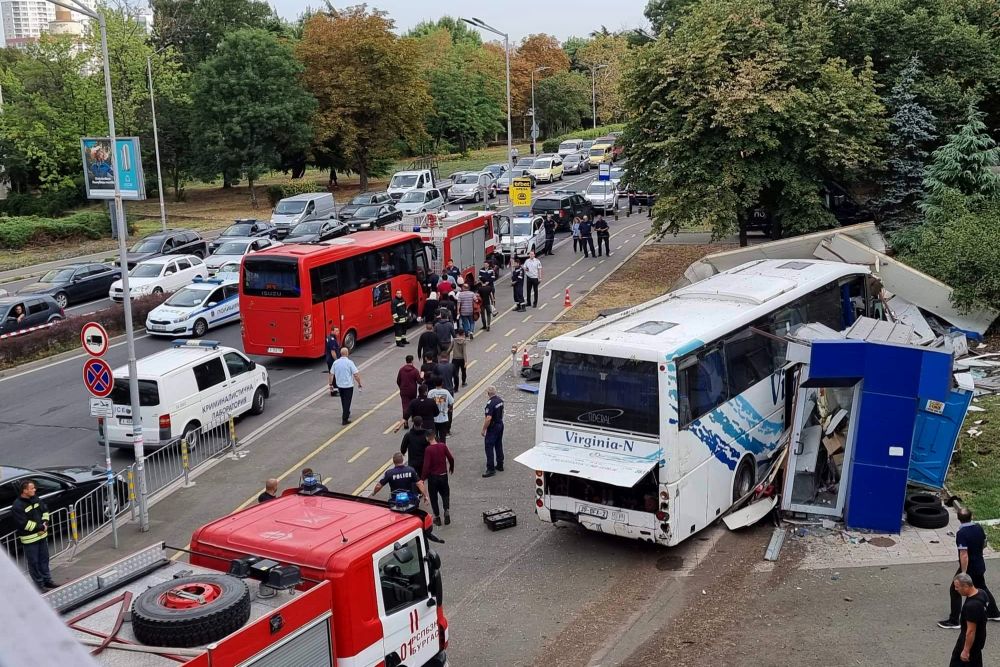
<point x="593" y="89"/>
<point x="156" y="138"/>
<point x="534" y="118"/>
<point x="133" y="381"/>
<point x="478" y="23"/>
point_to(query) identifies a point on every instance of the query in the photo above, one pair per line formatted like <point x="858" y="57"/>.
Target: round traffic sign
<point x="98" y="377"/>
<point x="94" y="339"/>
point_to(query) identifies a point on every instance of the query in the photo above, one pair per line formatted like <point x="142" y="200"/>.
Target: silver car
<point x="472" y="186"/>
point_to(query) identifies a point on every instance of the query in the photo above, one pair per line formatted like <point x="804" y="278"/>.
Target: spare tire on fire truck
<point x="189" y="611"/>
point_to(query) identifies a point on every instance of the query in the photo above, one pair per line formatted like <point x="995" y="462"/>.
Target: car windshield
<point x="597" y="151"/>
<point x="146" y="271"/>
<point x="232" y="248"/>
<point x="57" y="276"/>
<point x="230" y="267"/>
<point x="465" y="179"/>
<point x="522" y="227"/>
<point x="361" y="200"/>
<point x="525" y="162"/>
<point x="187" y="298"/>
<point x="290" y="207"/>
<point x="568" y="146"/>
<point x="413" y="197"/>
<point x="367" y="212"/>
<point x="585" y="146"/>
<point x="403" y="181"/>
<point x="306" y="228"/>
<point x="617" y="172"/>
<point x="572" y="157"/>
<point x="542" y="164"/>
<point x="238" y="230"/>
<point x="149" y="245"/>
<point x="600" y="188"/>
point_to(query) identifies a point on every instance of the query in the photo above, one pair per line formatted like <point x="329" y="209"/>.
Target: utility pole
<point x="593" y="89"/>
<point x="506" y="49"/>
<point x="534" y="118"/>
<point x="156" y="140"/>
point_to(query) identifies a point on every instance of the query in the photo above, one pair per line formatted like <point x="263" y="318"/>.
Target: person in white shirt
<point x="444" y="400"/>
<point x="533" y="274"/>
<point x="345" y="375"/>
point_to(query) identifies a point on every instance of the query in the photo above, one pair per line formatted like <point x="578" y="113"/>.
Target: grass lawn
<point x="975" y="467"/>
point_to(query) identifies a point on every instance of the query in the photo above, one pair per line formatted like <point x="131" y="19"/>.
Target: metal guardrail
<point x="72" y="527"/>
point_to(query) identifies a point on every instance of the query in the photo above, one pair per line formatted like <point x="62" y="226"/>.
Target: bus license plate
<point x="598" y="512"/>
<point x="275" y="350"/>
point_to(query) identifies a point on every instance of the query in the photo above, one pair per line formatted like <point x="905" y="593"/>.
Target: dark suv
<point x="29" y="310"/>
<point x="564" y="205"/>
<point x="169" y="242"/>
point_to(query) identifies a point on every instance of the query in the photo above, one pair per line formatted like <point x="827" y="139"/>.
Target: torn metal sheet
<point x="750" y="514"/>
<point x="881" y="331"/>
<point x="908" y="313"/>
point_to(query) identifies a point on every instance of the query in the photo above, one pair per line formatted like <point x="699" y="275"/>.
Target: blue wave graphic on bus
<point x="728" y="437"/>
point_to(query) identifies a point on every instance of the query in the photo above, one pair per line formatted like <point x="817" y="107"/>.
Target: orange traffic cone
<point x="566" y="300"/>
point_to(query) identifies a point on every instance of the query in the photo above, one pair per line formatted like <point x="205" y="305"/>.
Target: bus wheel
<point x="746" y="477"/>
<point x="350" y="340"/>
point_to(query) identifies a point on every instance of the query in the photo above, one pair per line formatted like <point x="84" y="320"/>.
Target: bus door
<point x="326" y="298"/>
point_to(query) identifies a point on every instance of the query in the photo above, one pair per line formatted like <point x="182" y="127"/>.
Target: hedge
<point x="20" y="232"/>
<point x="552" y="145"/>
<point x="50" y="203"/>
<point x="276" y="193"/>
<point x="66" y="334"/>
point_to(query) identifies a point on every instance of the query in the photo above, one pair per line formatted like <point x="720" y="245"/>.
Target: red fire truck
<point x="467" y="238"/>
<point x="320" y="581"/>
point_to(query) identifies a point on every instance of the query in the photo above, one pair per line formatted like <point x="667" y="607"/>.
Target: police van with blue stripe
<point x="196" y="308"/>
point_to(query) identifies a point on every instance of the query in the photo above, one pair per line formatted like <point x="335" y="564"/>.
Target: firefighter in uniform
<point x="400" y="318"/>
<point x="31" y="517"/>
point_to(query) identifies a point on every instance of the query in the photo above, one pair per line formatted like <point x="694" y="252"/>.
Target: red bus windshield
<point x="273" y="277"/>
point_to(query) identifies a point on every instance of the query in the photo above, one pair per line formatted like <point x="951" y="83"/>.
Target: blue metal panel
<point x="892" y="369"/>
<point x="837" y="360"/>
<point x="934" y="438"/>
<point x="935" y="375"/>
<point x="876" y="498"/>
<point x="885" y="429"/>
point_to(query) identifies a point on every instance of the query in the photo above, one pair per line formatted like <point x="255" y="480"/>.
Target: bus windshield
<point x="271" y="276"/>
<point x="606" y="392"/>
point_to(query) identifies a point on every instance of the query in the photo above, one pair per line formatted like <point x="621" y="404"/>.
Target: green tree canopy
<point x="460" y="31"/>
<point x="967" y="164"/>
<point x="562" y="102"/>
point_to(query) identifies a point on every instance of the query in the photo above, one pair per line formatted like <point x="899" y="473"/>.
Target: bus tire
<point x="350" y="340"/>
<point x="157" y="621"/>
<point x="745" y="478"/>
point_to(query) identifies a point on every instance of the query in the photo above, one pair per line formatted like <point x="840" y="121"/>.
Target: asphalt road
<point x="44" y="413"/>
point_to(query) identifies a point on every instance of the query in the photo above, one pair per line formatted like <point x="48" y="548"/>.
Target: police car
<point x="194" y="309"/>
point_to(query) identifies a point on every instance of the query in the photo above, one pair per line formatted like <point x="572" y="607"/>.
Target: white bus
<point x="653" y="421"/>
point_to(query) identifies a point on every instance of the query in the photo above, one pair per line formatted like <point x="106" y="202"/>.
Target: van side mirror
<point x="403" y="554"/>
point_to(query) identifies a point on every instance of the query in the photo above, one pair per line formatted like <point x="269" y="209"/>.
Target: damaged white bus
<point x="653" y="421"/>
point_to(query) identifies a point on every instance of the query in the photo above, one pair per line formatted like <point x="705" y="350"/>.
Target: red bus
<point x="292" y="295"/>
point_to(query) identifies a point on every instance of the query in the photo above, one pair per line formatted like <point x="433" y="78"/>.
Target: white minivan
<point x="195" y="384"/>
<point x="290" y="211"/>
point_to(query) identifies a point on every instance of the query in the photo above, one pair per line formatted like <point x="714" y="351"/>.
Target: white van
<point x="569" y="146"/>
<point x="290" y="211"/>
<point x="195" y="384"/>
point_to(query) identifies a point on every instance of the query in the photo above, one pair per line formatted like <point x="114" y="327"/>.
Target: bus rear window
<point x="149" y="393"/>
<point x="602" y="392"/>
<point x="272" y="276"/>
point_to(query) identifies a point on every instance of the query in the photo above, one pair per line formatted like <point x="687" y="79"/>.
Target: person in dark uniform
<point x="428" y="343"/>
<point x="550" y="234"/>
<point x="453" y="271"/>
<point x="414" y="443"/>
<point x="401" y="477"/>
<point x="423" y="407"/>
<point x="31" y="518"/>
<point x="587" y="237"/>
<point x="517" y="282"/>
<point x="971" y="542"/>
<point x="270" y="491"/>
<point x="968" y="651"/>
<point x="493" y="432"/>
<point x="331" y="353"/>
<point x="400" y="318"/>
<point x="603" y="235"/>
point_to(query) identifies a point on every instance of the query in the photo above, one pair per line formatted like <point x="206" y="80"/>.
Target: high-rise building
<point x="25" y="20"/>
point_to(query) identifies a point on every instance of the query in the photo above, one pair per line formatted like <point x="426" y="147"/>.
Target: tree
<point x="966" y="164"/>
<point x="459" y="31"/>
<point x="612" y="52"/>
<point x="911" y="130"/>
<point x="663" y="15"/>
<point x="249" y="108"/>
<point x="533" y="52"/>
<point x="368" y="85"/>
<point x="743" y="106"/>
<point x="562" y="102"/>
<point x="572" y="47"/>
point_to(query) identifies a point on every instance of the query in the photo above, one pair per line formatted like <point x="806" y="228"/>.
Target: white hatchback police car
<point x="196" y="308"/>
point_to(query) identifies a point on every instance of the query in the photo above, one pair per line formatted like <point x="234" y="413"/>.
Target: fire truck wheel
<point x="190" y="611"/>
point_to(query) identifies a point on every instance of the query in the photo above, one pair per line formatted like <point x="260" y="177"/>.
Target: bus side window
<point x="749" y="359"/>
<point x="325" y="283"/>
<point x="701" y="384"/>
<point x="402" y="259"/>
<point x="366" y="268"/>
<point x="347" y="272"/>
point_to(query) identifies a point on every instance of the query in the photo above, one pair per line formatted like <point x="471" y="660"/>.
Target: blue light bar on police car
<point x="180" y="342"/>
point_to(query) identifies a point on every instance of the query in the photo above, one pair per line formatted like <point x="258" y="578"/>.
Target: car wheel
<point x="200" y="327"/>
<point x="350" y="340"/>
<point x="62" y="299"/>
<point x="259" y="399"/>
<point x="200" y="254"/>
<point x="478" y="197"/>
<point x="190" y="434"/>
<point x="55" y="318"/>
<point x="157" y="290"/>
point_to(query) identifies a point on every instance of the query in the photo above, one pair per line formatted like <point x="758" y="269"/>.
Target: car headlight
<point x="179" y="320"/>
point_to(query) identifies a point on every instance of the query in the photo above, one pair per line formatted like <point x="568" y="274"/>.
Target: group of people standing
<point x="583" y="231"/>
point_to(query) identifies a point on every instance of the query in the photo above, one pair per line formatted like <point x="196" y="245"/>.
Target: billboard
<point x="98" y="172"/>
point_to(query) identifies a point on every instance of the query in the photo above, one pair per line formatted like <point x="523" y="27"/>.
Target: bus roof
<point x="704" y="311"/>
<point x="344" y="246"/>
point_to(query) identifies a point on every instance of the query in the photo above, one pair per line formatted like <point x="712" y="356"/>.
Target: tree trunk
<point x="363" y="176"/>
<point x="743" y="230"/>
<point x="253" y="193"/>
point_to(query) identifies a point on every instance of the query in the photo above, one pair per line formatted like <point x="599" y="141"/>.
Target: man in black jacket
<point x="414" y="443"/>
<point x="31" y="517"/>
<point x="428" y="343"/>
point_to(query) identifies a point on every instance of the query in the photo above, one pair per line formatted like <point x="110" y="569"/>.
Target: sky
<point x="562" y="18"/>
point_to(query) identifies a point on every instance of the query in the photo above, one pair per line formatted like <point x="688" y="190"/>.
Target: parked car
<point x="495" y="170"/>
<point x="169" y="242"/>
<point x="569" y="146"/>
<point x="503" y="185"/>
<point x="290" y="211"/>
<point x="194" y="309"/>
<point x="24" y="312"/>
<point x="602" y="195"/>
<point x="576" y="163"/>
<point x="586" y="145"/>
<point x="564" y="205"/>
<point x="242" y="229"/>
<point x="74" y="283"/>
<point x="373" y="217"/>
<point x="228" y="271"/>
<point x="59" y="487"/>
<point x="364" y="199"/>
<point x="600" y="153"/>
<point x="317" y="230"/>
<point x="521" y="234"/>
<point x="526" y="161"/>
<point x="235" y="249"/>
<point x="617" y="174"/>
<point x="471" y="186"/>
<point x="421" y="201"/>
<point x="547" y="169"/>
<point x="160" y="274"/>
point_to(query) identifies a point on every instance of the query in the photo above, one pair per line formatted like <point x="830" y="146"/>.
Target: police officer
<point x="401" y="477"/>
<point x="517" y="282"/>
<point x="493" y="432"/>
<point x="331" y="353"/>
<point x="31" y="517"/>
<point x="603" y="235"/>
<point x="550" y="234"/>
<point x="400" y="318"/>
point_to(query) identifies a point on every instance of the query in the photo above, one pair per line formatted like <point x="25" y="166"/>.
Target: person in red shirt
<point x="407" y="379"/>
<point x="438" y="462"/>
<point x="444" y="288"/>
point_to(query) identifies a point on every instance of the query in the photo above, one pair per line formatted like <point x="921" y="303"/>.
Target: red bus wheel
<point x="350" y="340"/>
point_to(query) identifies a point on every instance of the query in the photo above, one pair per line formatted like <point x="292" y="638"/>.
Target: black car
<point x="169" y="242"/>
<point x="364" y="199"/>
<point x="59" y="488"/>
<point x="317" y="230"/>
<point x="576" y="163"/>
<point x="564" y="205"/>
<point x="23" y="312"/>
<point x="247" y="227"/>
<point x="74" y="283"/>
<point x="373" y="217"/>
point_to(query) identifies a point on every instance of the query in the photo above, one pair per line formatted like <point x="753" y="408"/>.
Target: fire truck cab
<point x="327" y="580"/>
<point x="467" y="238"/>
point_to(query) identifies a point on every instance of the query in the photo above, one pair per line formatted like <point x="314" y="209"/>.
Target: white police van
<point x="196" y="308"/>
<point x="196" y="384"/>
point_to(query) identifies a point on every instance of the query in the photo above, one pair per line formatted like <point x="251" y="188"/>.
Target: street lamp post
<point x="534" y="118"/>
<point x="593" y="89"/>
<point x="478" y="23"/>
<point x="133" y="381"/>
<point x="156" y="139"/>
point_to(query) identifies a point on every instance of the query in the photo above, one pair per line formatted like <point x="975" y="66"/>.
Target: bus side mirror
<point x="403" y="554"/>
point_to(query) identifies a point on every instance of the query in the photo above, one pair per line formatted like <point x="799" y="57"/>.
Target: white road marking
<point x="360" y="453"/>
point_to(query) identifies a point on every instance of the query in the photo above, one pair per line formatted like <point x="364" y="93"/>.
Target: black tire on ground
<point x="922" y="499"/>
<point x="745" y="478"/>
<point x="200" y="328"/>
<point x="259" y="399"/>
<point x="155" y="623"/>
<point x="923" y="516"/>
<point x="157" y="290"/>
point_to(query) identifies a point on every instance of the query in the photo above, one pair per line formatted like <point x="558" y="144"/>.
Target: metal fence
<point x="85" y="520"/>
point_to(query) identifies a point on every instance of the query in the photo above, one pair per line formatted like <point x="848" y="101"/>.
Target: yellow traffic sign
<point x="520" y="192"/>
